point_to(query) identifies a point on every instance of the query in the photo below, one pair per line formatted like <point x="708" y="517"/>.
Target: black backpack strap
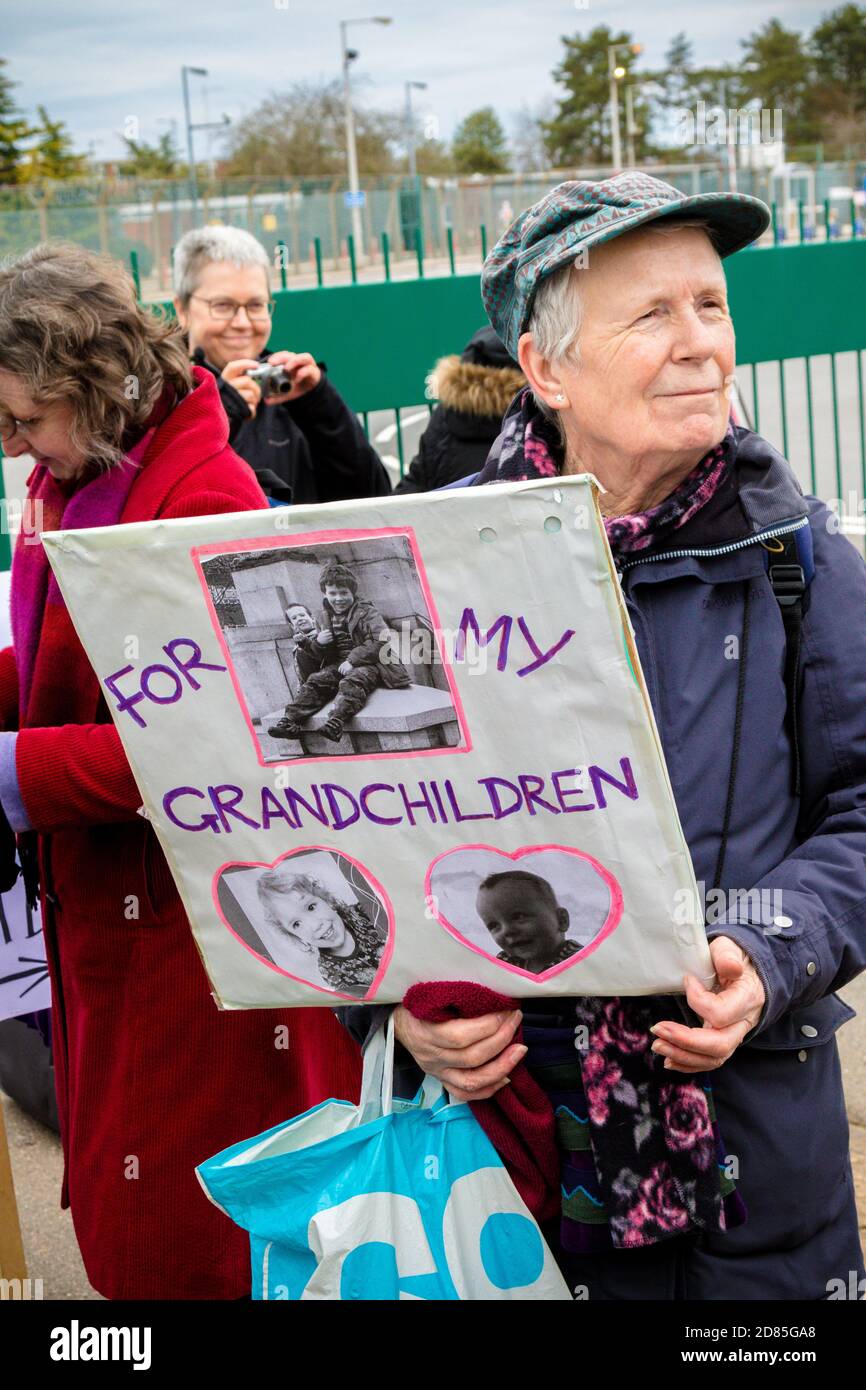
<point x="790" y="586"/>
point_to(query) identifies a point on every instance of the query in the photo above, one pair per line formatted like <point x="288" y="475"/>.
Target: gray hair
<point x="557" y="311"/>
<point x="204" y="245"/>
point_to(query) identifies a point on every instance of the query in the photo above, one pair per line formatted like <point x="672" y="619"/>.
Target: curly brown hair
<point x="72" y="329"/>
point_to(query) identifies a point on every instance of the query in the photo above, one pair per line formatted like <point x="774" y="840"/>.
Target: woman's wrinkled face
<point x="39" y="430"/>
<point x="656" y="348"/>
<point x="226" y="340"/>
<point x="312" y="920"/>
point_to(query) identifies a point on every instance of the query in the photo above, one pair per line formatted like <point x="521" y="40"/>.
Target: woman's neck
<point x="631" y="488"/>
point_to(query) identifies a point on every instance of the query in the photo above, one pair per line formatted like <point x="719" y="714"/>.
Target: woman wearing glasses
<point x="151" y="1076"/>
<point x="305" y="445"/>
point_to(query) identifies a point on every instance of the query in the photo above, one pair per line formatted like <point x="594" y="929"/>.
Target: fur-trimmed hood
<point x="472" y="389"/>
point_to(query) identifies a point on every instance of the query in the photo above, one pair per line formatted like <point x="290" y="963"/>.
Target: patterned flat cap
<point x="576" y="215"/>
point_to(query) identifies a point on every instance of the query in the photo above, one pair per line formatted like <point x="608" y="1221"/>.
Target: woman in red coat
<point x="152" y="1078"/>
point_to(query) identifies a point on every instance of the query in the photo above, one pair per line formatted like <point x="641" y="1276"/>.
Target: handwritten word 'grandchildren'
<point x="220" y="808"/>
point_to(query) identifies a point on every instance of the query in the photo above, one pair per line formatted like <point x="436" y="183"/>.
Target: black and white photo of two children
<point x="334" y="648"/>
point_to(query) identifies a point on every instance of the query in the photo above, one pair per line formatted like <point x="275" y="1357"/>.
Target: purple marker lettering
<point x="533" y="794"/>
<point x="332" y="792"/>
<point x="193" y="662"/>
<point x="491" y="783"/>
<point x="272" y="810"/>
<point x="364" y="799"/>
<point x="437" y="797"/>
<point x="412" y="805"/>
<point x="458" y="814"/>
<point x="294" y="799"/>
<point x="541" y="657"/>
<point x="469" y="623"/>
<point x="146" y="677"/>
<point x="563" y="792"/>
<point x="208" y="822"/>
<point x="597" y="776"/>
<point x="224" y="800"/>
<point x="125" y="702"/>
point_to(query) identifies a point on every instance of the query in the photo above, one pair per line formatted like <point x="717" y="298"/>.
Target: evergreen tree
<point x="479" y="145"/>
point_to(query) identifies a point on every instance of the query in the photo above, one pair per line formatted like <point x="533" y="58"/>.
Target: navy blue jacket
<point x="779" y="1097"/>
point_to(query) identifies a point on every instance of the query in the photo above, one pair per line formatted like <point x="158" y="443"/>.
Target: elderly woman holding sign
<point x="747" y="609"/>
<point x="151" y="1078"/>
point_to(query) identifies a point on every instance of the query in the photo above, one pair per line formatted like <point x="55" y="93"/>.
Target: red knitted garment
<point x="519" y="1119"/>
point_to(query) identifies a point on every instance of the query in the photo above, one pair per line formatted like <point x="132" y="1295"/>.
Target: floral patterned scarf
<point x="642" y="1156"/>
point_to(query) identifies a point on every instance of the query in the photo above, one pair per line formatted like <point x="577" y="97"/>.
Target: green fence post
<point x="386" y="255"/>
<point x="483" y="242"/>
<point x="133" y="261"/>
<point x="451" y="260"/>
<point x="317" y="245"/>
<point x="419" y="252"/>
<point x="755" y="398"/>
<point x="784" y="409"/>
<point x="836" y="451"/>
<point x="282" y="247"/>
<point x="353" y="268"/>
<point x="775" y="224"/>
<point x="862" y="419"/>
<point x="812" y="470"/>
<point x="853" y="218"/>
<point x="826" y="219"/>
<point x="800" y="221"/>
<point x="399" y="440"/>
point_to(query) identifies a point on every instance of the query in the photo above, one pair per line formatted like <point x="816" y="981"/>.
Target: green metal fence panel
<point x="797" y="301"/>
<point x="380" y="340"/>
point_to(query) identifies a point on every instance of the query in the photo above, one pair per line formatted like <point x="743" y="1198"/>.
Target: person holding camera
<point x="285" y="418"/>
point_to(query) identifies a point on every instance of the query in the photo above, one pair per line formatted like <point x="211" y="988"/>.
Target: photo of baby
<point x="527" y="922"/>
<point x="313" y="915"/>
<point x="530" y="918"/>
<point x="333" y="648"/>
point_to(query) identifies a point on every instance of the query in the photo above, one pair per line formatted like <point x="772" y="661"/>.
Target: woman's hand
<point x="235" y="373"/>
<point x="304" y="371"/>
<point x="472" y="1057"/>
<point x="728" y="1014"/>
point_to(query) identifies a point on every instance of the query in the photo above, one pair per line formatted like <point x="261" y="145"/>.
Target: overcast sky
<point x="95" y="63"/>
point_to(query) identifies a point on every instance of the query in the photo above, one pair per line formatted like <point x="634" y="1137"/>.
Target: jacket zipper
<point x="784" y="530"/>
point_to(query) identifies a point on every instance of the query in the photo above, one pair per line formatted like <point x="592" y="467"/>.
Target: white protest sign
<point x="394" y="740"/>
<point x="24" y="984"/>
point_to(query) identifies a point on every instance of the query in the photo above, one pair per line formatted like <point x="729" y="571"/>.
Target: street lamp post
<point x="410" y="125"/>
<point x="615" y="74"/>
<point x="349" y="55"/>
<point x="190" y="127"/>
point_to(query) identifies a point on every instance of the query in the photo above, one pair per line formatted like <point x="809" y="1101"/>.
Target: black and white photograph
<point x="333" y="648"/>
<point x="313" y="915"/>
<point x="531" y="913"/>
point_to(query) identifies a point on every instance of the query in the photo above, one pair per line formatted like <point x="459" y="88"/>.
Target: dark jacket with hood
<point x="309" y="450"/>
<point x="726" y="733"/>
<point x="474" y="391"/>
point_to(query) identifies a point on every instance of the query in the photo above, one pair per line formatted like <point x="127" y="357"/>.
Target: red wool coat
<point x="152" y="1078"/>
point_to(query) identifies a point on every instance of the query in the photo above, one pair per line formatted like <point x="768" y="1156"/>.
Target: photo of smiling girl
<point x="347" y="944"/>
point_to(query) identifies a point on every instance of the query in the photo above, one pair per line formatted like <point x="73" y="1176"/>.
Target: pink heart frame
<point x="609" y="925"/>
<point x="372" y="884"/>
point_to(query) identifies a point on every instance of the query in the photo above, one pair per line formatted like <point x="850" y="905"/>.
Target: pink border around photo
<point x="331" y="538"/>
<point x="611" y="922"/>
<point x="270" y="965"/>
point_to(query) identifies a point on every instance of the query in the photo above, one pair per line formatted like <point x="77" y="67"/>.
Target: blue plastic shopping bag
<point x="383" y="1200"/>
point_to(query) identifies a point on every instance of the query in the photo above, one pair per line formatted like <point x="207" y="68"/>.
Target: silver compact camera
<point x="272" y="380"/>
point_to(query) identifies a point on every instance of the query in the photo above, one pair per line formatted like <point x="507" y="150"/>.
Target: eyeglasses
<point x="224" y="310"/>
<point x="10" y="426"/>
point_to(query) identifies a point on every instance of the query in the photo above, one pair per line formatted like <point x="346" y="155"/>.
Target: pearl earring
<point x="560" y="397"/>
